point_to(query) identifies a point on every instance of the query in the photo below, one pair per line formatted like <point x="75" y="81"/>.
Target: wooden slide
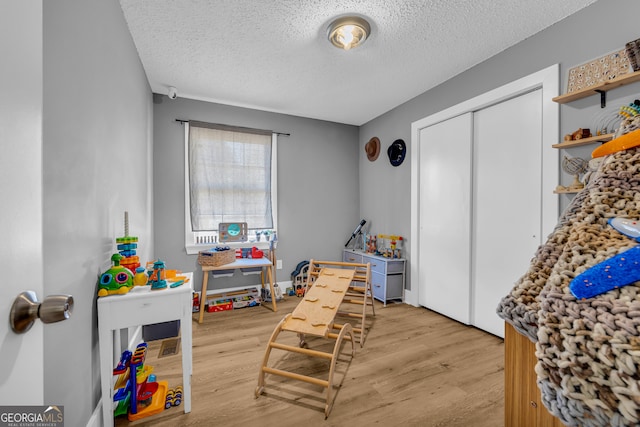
<point x="328" y="288"/>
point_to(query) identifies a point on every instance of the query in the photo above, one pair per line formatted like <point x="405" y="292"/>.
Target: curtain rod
<point x="182" y="121"/>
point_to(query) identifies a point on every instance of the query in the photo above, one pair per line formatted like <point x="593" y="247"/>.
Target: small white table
<point x="142" y="306"/>
<point x="239" y="263"/>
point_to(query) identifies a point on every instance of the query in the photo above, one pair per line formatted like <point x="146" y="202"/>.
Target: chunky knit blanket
<point x="588" y="350"/>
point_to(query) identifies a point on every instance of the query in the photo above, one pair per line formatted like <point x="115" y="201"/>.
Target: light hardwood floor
<point x="417" y="368"/>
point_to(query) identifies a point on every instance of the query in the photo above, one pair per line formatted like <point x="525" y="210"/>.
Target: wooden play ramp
<point x="358" y="298"/>
<point x="330" y="286"/>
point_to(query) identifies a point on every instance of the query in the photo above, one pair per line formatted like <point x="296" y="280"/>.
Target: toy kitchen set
<point x="384" y="253"/>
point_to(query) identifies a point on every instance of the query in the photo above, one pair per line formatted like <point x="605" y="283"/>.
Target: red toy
<point x="256" y="253"/>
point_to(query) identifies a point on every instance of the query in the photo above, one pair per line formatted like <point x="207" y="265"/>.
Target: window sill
<point x="195" y="248"/>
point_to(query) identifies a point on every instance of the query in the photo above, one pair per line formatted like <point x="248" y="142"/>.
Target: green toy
<point x="116" y="280"/>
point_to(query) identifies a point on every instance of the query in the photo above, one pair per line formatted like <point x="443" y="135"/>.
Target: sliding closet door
<point x="445" y="207"/>
<point x="507" y="201"/>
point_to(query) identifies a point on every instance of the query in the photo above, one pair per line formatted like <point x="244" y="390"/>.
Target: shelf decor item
<point x="606" y="122"/>
<point x="598" y="70"/>
<point x="372" y="148"/>
<point x="575" y="166"/>
<point x="578" y="135"/>
<point x="397" y="152"/>
<point x="633" y="52"/>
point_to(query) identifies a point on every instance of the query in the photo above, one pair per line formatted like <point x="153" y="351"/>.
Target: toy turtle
<point x="116" y="280"/>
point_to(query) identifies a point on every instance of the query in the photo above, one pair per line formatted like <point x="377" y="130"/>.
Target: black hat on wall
<point x="396" y="152"/>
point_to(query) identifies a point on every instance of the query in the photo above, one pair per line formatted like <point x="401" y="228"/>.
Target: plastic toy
<point x="149" y="395"/>
<point x="146" y="385"/>
<point x="256" y="253"/>
<point x="173" y="398"/>
<point x="116" y="280"/>
<point x="161" y="278"/>
<point x="176" y="283"/>
<point x="266" y="293"/>
<point x="393" y="240"/>
<point x="127" y="246"/>
<point x="631" y="110"/>
<point x="123" y="365"/>
<point x="392" y="251"/>
<point x="196" y="302"/>
<point x="299" y="278"/>
<point x="158" y="277"/>
<point x="616" y="272"/>
<point x="628" y="227"/>
<point x="140" y="278"/>
<point x="372" y="244"/>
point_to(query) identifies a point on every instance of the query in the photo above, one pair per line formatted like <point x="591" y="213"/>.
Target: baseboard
<point x="411" y="298"/>
<point x="285" y="285"/>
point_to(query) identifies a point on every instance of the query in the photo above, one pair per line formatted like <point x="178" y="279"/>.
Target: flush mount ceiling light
<point x="349" y="32"/>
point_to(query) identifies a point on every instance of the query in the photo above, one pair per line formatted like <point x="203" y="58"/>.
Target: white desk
<point x="142" y="306"/>
<point x="239" y="263"/>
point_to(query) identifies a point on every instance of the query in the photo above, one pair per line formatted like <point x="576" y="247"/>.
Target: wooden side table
<point x="238" y="264"/>
<point x="142" y="306"/>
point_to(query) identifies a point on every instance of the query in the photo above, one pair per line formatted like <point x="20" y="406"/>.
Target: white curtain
<point x="229" y="176"/>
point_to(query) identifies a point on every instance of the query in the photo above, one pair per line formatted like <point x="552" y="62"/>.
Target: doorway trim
<point x="546" y="79"/>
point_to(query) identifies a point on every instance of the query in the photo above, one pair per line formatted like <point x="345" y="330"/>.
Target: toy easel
<point x="314" y="316"/>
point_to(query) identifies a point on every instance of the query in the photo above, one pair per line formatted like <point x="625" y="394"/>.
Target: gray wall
<point x="590" y="33"/>
<point x="317" y="184"/>
<point x="96" y="165"/>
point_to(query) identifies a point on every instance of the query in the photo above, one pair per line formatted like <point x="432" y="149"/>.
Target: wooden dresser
<point x="523" y="405"/>
<point x="387" y="274"/>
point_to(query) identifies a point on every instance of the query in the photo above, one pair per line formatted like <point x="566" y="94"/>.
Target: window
<point x="230" y="176"/>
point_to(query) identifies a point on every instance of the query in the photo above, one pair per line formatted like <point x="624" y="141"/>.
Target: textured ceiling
<point x="274" y="55"/>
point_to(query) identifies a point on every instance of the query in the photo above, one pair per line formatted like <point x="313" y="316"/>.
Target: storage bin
<point x="161" y="331"/>
<point x="214" y="258"/>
